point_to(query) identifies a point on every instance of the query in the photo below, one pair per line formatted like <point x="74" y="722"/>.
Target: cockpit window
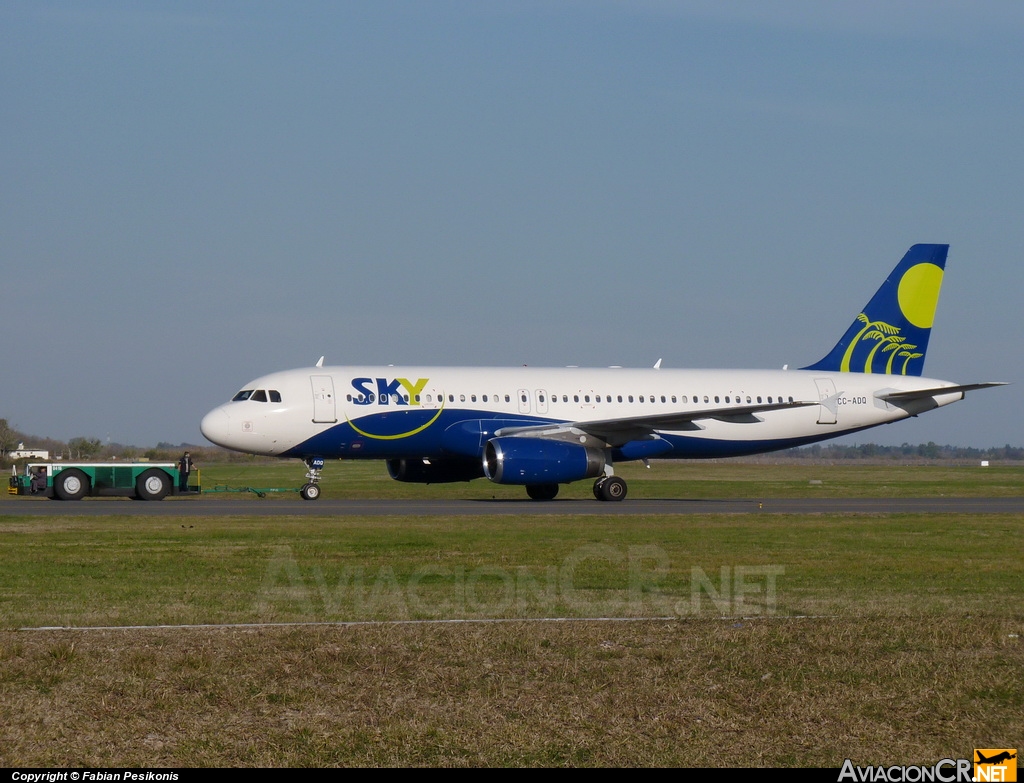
<point x="242" y="395"/>
<point x="275" y="396"/>
<point x="259" y="396"/>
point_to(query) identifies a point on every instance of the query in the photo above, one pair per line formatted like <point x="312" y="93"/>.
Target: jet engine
<point x="522" y="460"/>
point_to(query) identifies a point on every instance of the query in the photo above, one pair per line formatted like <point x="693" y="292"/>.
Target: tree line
<point x="88" y="449"/>
<point x="906" y="451"/>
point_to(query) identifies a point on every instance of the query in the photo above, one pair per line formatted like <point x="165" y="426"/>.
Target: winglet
<point x="890" y="335"/>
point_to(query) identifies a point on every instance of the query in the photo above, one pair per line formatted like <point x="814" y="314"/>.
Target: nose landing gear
<point x="311" y="489"/>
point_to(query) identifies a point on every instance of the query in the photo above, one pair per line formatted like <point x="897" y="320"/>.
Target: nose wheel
<point x="311" y="489"/>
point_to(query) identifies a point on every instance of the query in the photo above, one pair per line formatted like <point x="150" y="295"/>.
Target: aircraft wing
<point x="616" y="432"/>
<point x="920" y="394"/>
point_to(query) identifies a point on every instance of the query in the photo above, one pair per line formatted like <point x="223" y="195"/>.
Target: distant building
<point x="22" y="453"/>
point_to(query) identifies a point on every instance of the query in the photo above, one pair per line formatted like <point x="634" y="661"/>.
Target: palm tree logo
<point x="888" y="343"/>
<point x="872" y="330"/>
<point x="910" y="355"/>
<point x="902" y="349"/>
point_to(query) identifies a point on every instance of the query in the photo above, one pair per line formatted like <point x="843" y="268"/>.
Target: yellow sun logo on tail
<point x="918" y="294"/>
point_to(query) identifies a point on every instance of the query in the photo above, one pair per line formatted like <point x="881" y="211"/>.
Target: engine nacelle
<point x="416" y="471"/>
<point x="513" y="460"/>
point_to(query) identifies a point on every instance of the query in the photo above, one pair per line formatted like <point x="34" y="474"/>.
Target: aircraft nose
<point x="214" y="427"/>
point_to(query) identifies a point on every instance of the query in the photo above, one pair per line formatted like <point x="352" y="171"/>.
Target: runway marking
<point x="457" y="621"/>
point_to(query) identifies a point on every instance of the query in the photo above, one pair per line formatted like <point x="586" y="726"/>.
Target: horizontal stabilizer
<point x="920" y="394"/>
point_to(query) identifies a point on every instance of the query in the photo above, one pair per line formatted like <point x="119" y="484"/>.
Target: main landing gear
<point x="311" y="489"/>
<point x="610" y="488"/>
<point x="605" y="488"/>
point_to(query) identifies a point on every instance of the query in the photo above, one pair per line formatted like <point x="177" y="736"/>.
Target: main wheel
<point x="597" y="487"/>
<point x="613" y="488"/>
<point x="152" y="485"/>
<point x="71" y="484"/>
<point x="542" y="491"/>
<point x="310" y="491"/>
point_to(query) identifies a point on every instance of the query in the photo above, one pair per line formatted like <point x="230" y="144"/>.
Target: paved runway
<point x="257" y="507"/>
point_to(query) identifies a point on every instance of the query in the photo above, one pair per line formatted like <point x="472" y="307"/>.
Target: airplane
<point x="543" y="427"/>
<point x="996" y="759"/>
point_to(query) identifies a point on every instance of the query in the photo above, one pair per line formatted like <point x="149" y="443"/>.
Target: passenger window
<point x="473" y="398"/>
<point x="508" y="398"/>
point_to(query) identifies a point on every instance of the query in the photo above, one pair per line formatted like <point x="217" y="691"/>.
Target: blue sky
<point x="195" y="194"/>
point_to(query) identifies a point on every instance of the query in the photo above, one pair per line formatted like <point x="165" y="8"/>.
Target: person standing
<point x="185" y="466"/>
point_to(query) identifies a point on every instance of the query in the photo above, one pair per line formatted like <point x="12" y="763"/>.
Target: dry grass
<point x="691" y="692"/>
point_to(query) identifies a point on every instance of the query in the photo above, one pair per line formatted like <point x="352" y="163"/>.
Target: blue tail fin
<point x="891" y="334"/>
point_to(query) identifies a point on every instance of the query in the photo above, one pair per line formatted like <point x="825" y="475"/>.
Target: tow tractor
<point x="76" y="480"/>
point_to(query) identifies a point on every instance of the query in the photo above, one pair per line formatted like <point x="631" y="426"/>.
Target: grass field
<point x="624" y="641"/>
<point x="698" y="479"/>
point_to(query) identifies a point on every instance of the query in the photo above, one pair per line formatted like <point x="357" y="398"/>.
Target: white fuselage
<point x="410" y="412"/>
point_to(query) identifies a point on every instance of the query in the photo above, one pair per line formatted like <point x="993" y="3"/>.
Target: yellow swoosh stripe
<point x="399" y="435"/>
